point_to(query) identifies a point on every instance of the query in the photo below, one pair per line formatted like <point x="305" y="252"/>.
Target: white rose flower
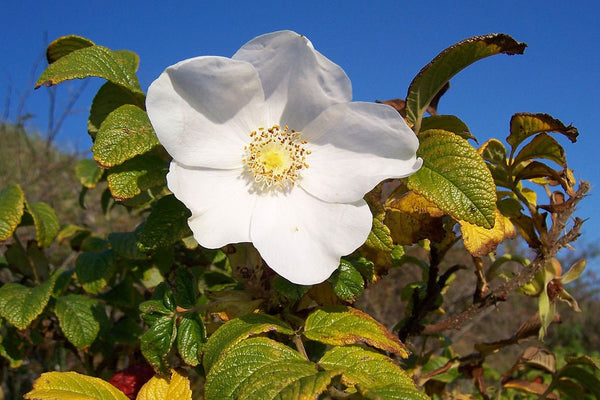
<point x="268" y="148"/>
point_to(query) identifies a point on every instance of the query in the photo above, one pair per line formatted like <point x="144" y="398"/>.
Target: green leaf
<point x="46" y="222"/>
<point x="449" y="123"/>
<point x="88" y="172"/>
<point x="308" y="387"/>
<point x="455" y="178"/>
<point x="107" y="99"/>
<point x="12" y="202"/>
<point x="536" y="169"/>
<point x="79" y="319"/>
<point x="237" y="330"/>
<point x="493" y="151"/>
<point x="190" y="337"/>
<point x="448" y="63"/>
<point x="74" y="386"/>
<point x="251" y="360"/>
<point x="166" y="224"/>
<point x="339" y="325"/>
<point x="94" y="270"/>
<point x="65" y="45"/>
<point x="391" y="392"/>
<point x="157" y="341"/>
<point x="125" y="133"/>
<point x="125" y="245"/>
<point x="186" y="288"/>
<point x="582" y="376"/>
<point x="12" y="347"/>
<point x="143" y="172"/>
<point x="346" y="281"/>
<point x="368" y="369"/>
<point x="20" y="305"/>
<point x="380" y="237"/>
<point x="97" y="61"/>
<point x="524" y="125"/>
<point x="542" y="146"/>
<point x="289" y="290"/>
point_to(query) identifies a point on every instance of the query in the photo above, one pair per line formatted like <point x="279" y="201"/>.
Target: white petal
<point x="298" y="81"/>
<point x="220" y="201"/>
<point x="203" y="110"/>
<point x="354" y="147"/>
<point x="302" y="238"/>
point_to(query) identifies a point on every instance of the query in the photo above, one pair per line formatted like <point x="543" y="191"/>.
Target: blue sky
<point x="381" y="45"/>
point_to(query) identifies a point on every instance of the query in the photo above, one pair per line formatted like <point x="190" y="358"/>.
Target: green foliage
<point x="78" y="296"/>
<point x="455" y="178"/>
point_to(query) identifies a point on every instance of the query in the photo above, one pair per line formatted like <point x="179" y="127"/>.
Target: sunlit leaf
<point x="542" y="146"/>
<point x="455" y="178"/>
<point x="159" y="388"/>
<point x="256" y="368"/>
<point x="493" y="151"/>
<point x="368" y="369"/>
<point x="338" y="325"/>
<point x="97" y="61"/>
<point x="379" y="238"/>
<point x="524" y="125"/>
<point x="432" y="78"/>
<point x="20" y="305"/>
<point x="73" y="386"/>
<point x="237" y="330"/>
<point x="480" y="241"/>
<point x="78" y="318"/>
<point x="125" y="133"/>
<point x="12" y="202"/>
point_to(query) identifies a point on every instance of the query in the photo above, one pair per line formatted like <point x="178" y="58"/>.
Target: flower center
<point x="276" y="156"/>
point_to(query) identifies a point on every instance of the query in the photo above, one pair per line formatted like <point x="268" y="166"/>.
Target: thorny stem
<point x="545" y="253"/>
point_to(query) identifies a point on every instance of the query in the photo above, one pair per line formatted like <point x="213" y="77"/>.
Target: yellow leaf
<point x="479" y="241"/>
<point x="159" y="388"/>
<point x="414" y="203"/>
<point x="73" y="386"/>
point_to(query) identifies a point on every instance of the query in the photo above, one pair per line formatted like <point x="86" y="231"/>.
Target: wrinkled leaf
<point x="12" y="202"/>
<point x="346" y="281"/>
<point x="455" y="178"/>
<point x="432" y="78"/>
<point x="107" y="99"/>
<point x="368" y="369"/>
<point x="79" y="319"/>
<point x="166" y="224"/>
<point x="20" y="305"/>
<point x="86" y="62"/>
<point x="480" y="241"/>
<point x="94" y="270"/>
<point x="237" y="330"/>
<point x="143" y="172"/>
<point x="338" y="325"/>
<point x="125" y="133"/>
<point x="156" y="342"/>
<point x="190" y="337"/>
<point x="524" y="125"/>
<point x="542" y="146"/>
<point x="254" y="360"/>
<point x="73" y="386"/>
<point x="159" y="388"/>
<point x="308" y="387"/>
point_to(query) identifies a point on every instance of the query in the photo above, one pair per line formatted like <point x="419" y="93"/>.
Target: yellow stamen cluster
<point x="275" y="156"/>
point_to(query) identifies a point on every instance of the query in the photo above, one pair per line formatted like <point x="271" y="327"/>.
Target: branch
<point x="556" y="242"/>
